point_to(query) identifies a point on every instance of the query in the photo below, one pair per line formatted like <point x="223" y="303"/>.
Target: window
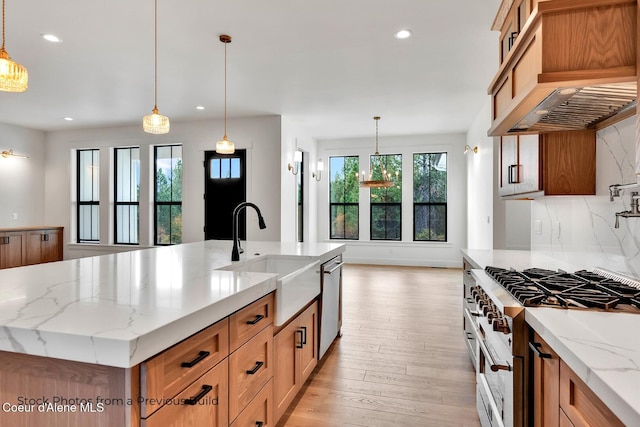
<point x="386" y="203"/>
<point x="127" y="195"/>
<point x="225" y="168"/>
<point x="88" y="196"/>
<point x="430" y="197"/>
<point x="343" y="197"/>
<point x="168" y="194"/>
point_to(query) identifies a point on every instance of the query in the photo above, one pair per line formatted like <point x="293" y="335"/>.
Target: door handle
<point x="301" y="338"/>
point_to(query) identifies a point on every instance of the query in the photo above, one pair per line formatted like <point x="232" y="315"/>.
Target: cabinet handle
<point x="195" y="361"/>
<point x="535" y="346"/>
<point x="5" y="240"/>
<point x="337" y="266"/>
<point x="470" y="336"/>
<point x="301" y="338"/>
<point x="259" y="423"/>
<point x="255" y="368"/>
<point x="304" y="334"/>
<point x="511" y="171"/>
<point x="258" y="318"/>
<point x="195" y="399"/>
<point x="44" y="237"/>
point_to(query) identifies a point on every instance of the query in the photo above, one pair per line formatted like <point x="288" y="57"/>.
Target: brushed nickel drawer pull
<point x="195" y="361"/>
<point x="195" y="399"/>
<point x="255" y="368"/>
<point x="258" y="318"/>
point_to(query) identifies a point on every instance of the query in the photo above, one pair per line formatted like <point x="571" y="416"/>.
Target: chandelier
<point x="156" y="123"/>
<point x="385" y="177"/>
<point x="13" y="76"/>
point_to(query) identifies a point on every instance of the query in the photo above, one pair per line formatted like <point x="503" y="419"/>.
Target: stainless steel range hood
<point x="579" y="108"/>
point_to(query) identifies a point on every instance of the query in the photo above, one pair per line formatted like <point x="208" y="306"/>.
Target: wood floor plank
<point x="402" y="359"/>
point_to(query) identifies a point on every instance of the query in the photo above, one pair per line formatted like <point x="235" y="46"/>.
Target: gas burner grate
<point x="536" y="287"/>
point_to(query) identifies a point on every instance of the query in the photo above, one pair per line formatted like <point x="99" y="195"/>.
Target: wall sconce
<point x="319" y="168"/>
<point x="467" y="149"/>
<point x="9" y="153"/>
<point x="297" y="159"/>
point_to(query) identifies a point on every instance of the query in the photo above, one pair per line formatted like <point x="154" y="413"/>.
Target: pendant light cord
<point x="155" y="59"/>
<point x="2" y="25"/>
<point x="225" y="89"/>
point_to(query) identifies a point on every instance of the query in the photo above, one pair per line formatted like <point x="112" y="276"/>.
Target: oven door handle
<point x="495" y="367"/>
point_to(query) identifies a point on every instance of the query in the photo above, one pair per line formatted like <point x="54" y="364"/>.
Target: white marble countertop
<point x="121" y="309"/>
<point x="601" y="348"/>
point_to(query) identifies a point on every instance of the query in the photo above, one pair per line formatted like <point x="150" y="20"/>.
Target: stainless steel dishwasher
<point x="331" y="302"/>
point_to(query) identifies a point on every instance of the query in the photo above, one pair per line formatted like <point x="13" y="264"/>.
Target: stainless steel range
<point x="493" y="306"/>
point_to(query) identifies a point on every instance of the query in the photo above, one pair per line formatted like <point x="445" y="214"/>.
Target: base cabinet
<point x="296" y="355"/>
<point x="33" y="245"/>
<point x="560" y="397"/>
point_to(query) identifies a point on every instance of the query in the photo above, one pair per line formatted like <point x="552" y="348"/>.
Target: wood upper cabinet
<point x="551" y="164"/>
<point x="295" y="355"/>
<point x="32" y="245"/>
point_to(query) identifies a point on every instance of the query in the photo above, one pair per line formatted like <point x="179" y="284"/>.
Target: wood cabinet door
<point x="528" y="162"/>
<point x="12" y="249"/>
<point x="309" y="350"/>
<point x="569" y="160"/>
<point x="286" y="373"/>
<point x="546" y="384"/>
<point x="35" y="240"/>
<point x="508" y="162"/>
<point x="52" y="246"/>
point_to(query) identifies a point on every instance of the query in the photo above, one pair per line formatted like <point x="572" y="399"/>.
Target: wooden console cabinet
<point x="30" y="245"/>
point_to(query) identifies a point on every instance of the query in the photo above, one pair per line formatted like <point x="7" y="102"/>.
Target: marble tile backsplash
<point x="583" y="227"/>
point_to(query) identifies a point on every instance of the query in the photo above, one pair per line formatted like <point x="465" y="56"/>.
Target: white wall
<point x="586" y="224"/>
<point x="21" y="180"/>
<point x="259" y="135"/>
<point x="406" y="252"/>
<point x="480" y="182"/>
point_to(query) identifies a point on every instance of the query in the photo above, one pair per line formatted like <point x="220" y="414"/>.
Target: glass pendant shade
<point x="224" y="146"/>
<point x="13" y="76"/>
<point x="156" y="123"/>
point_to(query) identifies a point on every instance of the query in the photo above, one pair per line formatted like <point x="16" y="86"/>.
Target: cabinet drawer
<point x="204" y="402"/>
<point x="250" y="368"/>
<point x="168" y="373"/>
<point x="247" y="322"/>
<point x="259" y="413"/>
<point x="580" y="404"/>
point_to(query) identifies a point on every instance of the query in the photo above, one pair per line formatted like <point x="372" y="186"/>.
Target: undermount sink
<point x="297" y="280"/>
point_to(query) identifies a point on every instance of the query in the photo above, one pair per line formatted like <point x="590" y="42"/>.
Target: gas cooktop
<point x="582" y="289"/>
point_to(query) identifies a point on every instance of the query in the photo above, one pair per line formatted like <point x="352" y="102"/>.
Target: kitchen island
<point x="94" y="320"/>
<point x="600" y="347"/>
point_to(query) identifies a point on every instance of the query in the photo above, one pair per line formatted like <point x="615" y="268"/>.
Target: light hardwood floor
<point x="401" y="360"/>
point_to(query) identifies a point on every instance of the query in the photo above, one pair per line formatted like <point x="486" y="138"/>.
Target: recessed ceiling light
<point x="402" y="34"/>
<point x="51" y="38"/>
<point x="69" y="119"/>
<point x="199" y="107"/>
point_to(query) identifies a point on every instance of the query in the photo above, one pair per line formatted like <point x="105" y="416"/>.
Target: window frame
<point x="372" y="204"/>
<point x="343" y="203"/>
<point x="95" y="162"/>
<point x="156" y="202"/>
<point x="432" y="204"/>
<point x="117" y="203"/>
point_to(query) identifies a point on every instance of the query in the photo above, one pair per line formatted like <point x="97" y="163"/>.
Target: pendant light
<point x="13" y="76"/>
<point x="156" y="123"/>
<point x="385" y="182"/>
<point x="224" y="146"/>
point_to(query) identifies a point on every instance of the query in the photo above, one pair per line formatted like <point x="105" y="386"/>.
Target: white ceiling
<point x="330" y="65"/>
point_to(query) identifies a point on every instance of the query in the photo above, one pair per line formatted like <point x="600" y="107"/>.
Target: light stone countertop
<point x="603" y="349"/>
<point x="121" y="309"/>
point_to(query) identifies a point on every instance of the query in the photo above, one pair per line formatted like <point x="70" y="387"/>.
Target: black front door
<point x="224" y="187"/>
